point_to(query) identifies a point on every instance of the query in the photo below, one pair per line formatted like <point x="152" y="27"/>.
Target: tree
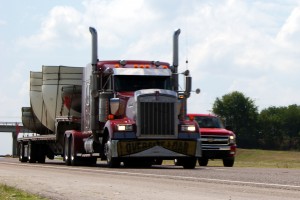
<point x="241" y="114"/>
<point x="280" y="128"/>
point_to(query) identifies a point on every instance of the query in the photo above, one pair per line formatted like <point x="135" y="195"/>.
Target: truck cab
<point x="217" y="141"/>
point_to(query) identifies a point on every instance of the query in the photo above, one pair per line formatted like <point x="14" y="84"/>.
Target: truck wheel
<point x="189" y="163"/>
<point x="67" y="151"/>
<point x="203" y="161"/>
<point x="22" y="157"/>
<point x="74" y="159"/>
<point x="111" y="161"/>
<point x="228" y="162"/>
<point x="31" y="152"/>
<point x="158" y="161"/>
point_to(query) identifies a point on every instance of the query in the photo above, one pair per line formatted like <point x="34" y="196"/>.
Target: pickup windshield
<point x="209" y="122"/>
<point x="133" y="83"/>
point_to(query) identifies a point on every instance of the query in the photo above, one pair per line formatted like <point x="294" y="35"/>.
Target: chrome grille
<point x="157" y="118"/>
<point x="214" y="140"/>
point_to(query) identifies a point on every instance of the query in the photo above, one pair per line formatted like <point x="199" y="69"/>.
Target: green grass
<point x="11" y="193"/>
<point x="263" y="159"/>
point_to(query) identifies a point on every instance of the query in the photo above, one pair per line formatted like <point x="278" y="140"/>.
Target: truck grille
<point x="214" y="140"/>
<point x="157" y="119"/>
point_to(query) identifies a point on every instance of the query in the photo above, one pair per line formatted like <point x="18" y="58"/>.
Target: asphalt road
<point x="54" y="180"/>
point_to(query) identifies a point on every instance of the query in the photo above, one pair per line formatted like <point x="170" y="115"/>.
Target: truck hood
<point x="215" y="131"/>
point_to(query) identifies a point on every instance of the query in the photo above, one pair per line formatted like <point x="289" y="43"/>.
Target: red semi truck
<point x="217" y="141"/>
<point x="121" y="111"/>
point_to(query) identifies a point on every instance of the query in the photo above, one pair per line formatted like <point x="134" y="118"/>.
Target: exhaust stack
<point x="175" y="58"/>
<point x="94" y="83"/>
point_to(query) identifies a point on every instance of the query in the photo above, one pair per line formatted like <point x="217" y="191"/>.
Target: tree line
<point x="273" y="128"/>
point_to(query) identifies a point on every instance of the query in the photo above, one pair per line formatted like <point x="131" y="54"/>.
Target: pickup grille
<point x="157" y="119"/>
<point x="214" y="140"/>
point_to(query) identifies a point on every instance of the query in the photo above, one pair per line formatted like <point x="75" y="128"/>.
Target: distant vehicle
<point x="217" y="141"/>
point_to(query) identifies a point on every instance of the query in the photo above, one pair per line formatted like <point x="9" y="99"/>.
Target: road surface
<point x="54" y="180"/>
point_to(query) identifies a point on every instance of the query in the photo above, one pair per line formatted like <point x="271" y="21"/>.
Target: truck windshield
<point x="209" y="122"/>
<point x="133" y="83"/>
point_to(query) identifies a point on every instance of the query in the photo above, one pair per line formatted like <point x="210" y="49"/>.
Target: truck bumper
<point x="218" y="152"/>
<point x="156" y="148"/>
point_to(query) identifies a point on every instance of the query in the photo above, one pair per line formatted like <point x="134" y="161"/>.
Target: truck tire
<point x="41" y="156"/>
<point x="67" y="151"/>
<point x="228" y="162"/>
<point x="189" y="163"/>
<point x="111" y="161"/>
<point x="203" y="161"/>
<point x="73" y="158"/>
<point x="32" y="155"/>
<point x="22" y="157"/>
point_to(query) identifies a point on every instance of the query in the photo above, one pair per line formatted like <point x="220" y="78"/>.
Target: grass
<point x="263" y="159"/>
<point x="11" y="193"/>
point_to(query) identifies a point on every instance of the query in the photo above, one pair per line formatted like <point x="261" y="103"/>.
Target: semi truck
<point x="128" y="112"/>
<point x="218" y="141"/>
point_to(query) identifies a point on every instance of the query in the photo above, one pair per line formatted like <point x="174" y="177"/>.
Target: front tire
<point x="203" y="161"/>
<point x="228" y="162"/>
<point x="111" y="161"/>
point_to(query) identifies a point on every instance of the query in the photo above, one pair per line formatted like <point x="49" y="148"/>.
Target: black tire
<point x="67" y="151"/>
<point x="32" y="155"/>
<point x="41" y="156"/>
<point x="22" y="157"/>
<point x="203" y="161"/>
<point x="111" y="161"/>
<point x="158" y="161"/>
<point x="228" y="162"/>
<point x="189" y="163"/>
<point x="74" y="159"/>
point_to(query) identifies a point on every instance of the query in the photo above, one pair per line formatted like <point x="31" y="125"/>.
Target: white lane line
<point x="157" y="175"/>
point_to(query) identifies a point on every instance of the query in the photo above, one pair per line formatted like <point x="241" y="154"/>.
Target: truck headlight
<point x="231" y="139"/>
<point x="124" y="127"/>
<point x="188" y="128"/>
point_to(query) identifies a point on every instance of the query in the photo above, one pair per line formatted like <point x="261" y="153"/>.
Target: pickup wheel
<point x="111" y="161"/>
<point x="22" y="157"/>
<point x="203" y="161"/>
<point x="228" y="162"/>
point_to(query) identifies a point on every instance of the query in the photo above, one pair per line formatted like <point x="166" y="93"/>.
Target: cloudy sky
<point x="247" y="46"/>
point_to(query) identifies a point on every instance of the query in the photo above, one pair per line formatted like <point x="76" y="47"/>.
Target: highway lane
<point x="57" y="181"/>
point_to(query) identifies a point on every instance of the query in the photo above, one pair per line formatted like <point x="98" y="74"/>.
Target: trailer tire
<point x="31" y="152"/>
<point x="41" y="156"/>
<point x="22" y="157"/>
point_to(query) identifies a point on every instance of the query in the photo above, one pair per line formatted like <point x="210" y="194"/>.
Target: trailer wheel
<point x="22" y="157"/>
<point x="31" y="152"/>
<point x="41" y="156"/>
<point x="67" y="151"/>
<point x="111" y="161"/>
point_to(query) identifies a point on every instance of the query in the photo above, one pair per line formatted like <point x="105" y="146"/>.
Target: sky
<point x="230" y="45"/>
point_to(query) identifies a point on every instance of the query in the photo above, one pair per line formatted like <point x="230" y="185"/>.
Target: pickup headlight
<point x="124" y="127"/>
<point x="232" y="139"/>
<point x="188" y="128"/>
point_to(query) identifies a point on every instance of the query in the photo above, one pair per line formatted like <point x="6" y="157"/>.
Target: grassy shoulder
<point x="264" y="159"/>
<point x="11" y="193"/>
